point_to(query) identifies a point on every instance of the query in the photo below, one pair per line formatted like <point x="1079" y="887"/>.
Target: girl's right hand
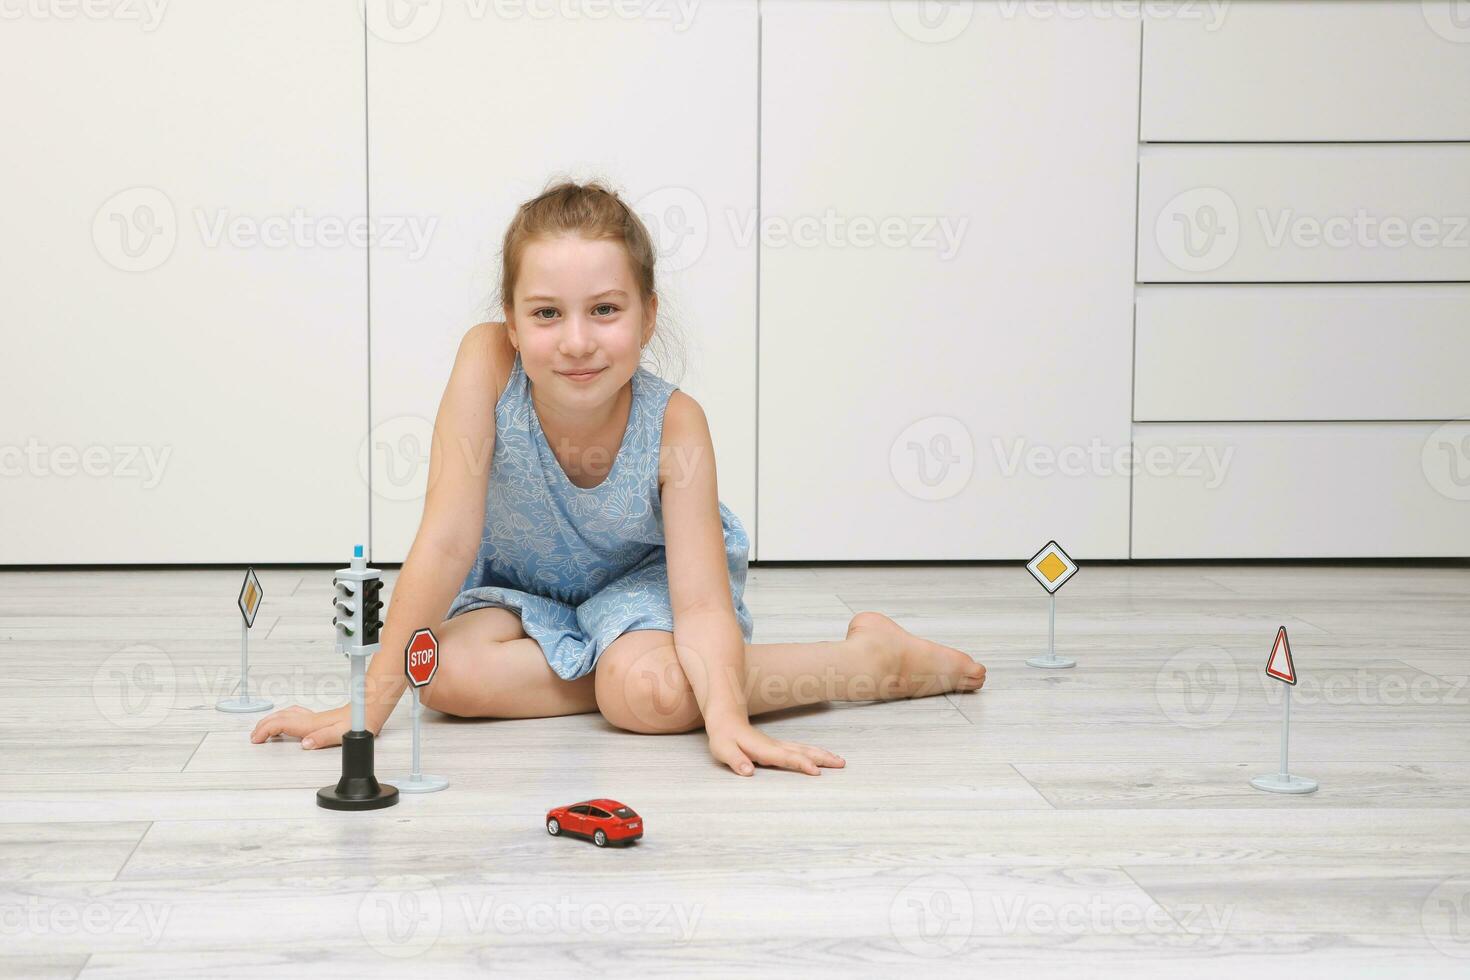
<point x="316" y="729"/>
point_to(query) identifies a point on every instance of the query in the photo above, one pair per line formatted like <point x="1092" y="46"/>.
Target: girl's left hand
<point x="737" y="746"/>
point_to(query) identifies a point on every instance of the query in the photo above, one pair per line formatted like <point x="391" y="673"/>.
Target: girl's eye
<point x="545" y="309"/>
<point x="604" y="306"/>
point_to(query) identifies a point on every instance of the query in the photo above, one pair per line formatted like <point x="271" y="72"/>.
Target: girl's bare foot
<point x="902" y="665"/>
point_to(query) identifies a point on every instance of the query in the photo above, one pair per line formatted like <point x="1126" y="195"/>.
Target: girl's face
<point x="577" y="309"/>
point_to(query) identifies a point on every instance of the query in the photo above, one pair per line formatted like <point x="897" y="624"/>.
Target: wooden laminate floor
<point x="1092" y="822"/>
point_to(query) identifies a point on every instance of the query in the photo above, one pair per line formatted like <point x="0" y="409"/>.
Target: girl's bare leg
<point x="641" y="685"/>
<point x="489" y="668"/>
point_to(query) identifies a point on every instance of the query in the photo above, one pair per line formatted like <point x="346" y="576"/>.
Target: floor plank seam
<point x="197" y="746"/>
<point x="117" y="875"/>
<point x="1050" y="804"/>
<point x="1167" y="911"/>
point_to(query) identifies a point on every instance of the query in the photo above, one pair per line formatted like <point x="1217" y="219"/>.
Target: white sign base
<point x="1278" y="782"/>
<point x="243" y="703"/>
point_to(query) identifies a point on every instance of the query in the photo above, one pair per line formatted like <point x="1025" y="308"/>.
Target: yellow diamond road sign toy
<point x="1051" y="567"/>
<point x="250" y="596"/>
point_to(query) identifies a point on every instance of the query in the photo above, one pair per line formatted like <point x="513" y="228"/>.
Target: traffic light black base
<point x="358" y="789"/>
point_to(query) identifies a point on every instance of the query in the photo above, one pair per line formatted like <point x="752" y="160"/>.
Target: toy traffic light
<point x="356" y="621"/>
<point x="372" y="607"/>
<point x="345" y="614"/>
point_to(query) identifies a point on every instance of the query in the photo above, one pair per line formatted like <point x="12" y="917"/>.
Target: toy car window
<point x="596" y="812"/>
<point x="624" y="812"/>
<point x="579" y="810"/>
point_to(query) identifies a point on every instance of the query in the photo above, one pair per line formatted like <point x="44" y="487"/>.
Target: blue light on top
<point x="357" y="551"/>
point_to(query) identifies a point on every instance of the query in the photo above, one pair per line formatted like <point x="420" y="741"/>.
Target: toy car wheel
<point x="600" y="839"/>
<point x="553" y="827"/>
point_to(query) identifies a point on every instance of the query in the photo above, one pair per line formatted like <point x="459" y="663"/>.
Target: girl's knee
<point x="641" y="687"/>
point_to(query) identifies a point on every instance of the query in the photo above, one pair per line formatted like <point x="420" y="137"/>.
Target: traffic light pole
<point x="357" y="623"/>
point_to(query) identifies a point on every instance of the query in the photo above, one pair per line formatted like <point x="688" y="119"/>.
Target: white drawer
<point x="1301" y="490"/>
<point x="1289" y="352"/>
<point x="1307" y="71"/>
<point x="1332" y="213"/>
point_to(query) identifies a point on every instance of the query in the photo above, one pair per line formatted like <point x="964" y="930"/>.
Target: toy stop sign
<point x="421" y="657"/>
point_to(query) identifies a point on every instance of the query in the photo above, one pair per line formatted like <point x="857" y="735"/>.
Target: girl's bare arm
<point x="707" y="637"/>
<point x="444" y="547"/>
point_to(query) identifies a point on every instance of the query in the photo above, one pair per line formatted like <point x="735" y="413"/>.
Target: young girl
<point x="573" y="533"/>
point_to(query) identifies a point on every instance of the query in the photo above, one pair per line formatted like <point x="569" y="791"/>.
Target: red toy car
<point x="604" y="822"/>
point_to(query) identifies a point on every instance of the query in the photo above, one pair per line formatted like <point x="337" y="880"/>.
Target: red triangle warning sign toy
<point x="1279" y="664"/>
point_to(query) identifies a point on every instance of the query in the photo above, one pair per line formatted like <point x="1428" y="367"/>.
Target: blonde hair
<point x="596" y="212"/>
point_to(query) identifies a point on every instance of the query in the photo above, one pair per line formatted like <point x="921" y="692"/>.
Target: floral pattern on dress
<point x="582" y="566"/>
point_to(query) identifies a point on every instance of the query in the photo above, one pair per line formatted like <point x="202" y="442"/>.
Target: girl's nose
<point x="576" y="338"/>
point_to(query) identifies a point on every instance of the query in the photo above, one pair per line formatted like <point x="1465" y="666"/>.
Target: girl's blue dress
<point x="582" y="567"/>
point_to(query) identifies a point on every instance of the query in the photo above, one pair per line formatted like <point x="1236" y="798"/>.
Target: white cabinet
<point x="1302" y="490"/>
<point x="946" y="292"/>
<point x="183" y="308"/>
<point x="1306" y="71"/>
<point x="1294" y="352"/>
<point x="473" y="108"/>
<point x="1360" y="213"/>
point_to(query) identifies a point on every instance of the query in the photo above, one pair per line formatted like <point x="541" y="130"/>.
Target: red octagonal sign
<point x="421" y="657"/>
